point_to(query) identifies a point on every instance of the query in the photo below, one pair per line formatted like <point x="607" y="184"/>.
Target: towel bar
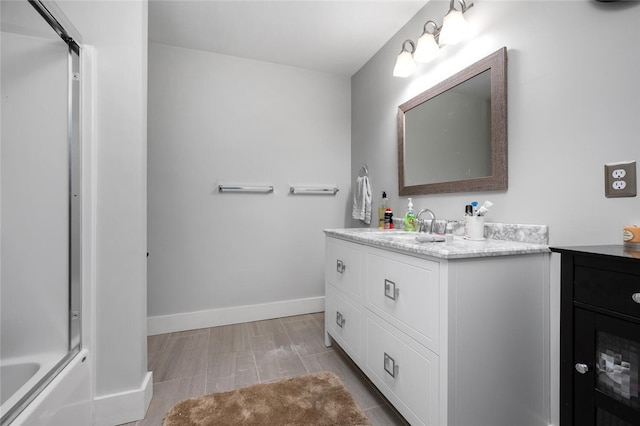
<point x="312" y="191"/>
<point x="243" y="188"/>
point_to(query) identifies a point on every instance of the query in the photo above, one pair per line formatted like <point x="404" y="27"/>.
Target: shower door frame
<point x="52" y="14"/>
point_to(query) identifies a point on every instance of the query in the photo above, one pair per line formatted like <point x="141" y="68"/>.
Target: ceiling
<point x="333" y="36"/>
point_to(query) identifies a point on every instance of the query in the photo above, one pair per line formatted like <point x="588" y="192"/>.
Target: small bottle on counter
<point x="388" y="218"/>
<point x="382" y="210"/>
<point x="448" y="235"/>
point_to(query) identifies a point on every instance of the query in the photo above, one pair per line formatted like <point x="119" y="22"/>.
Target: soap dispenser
<point x="410" y="218"/>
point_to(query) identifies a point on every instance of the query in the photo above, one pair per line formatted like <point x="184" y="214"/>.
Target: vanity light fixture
<point x="454" y="28"/>
<point x="405" y="65"/>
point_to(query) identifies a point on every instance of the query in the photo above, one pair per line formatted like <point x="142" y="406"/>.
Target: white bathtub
<point x="19" y="375"/>
<point x="70" y="388"/>
<point x="13" y="377"/>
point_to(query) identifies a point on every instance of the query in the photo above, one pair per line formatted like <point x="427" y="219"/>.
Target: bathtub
<point x="14" y="377"/>
<point x="19" y="375"/>
<point x="69" y="387"/>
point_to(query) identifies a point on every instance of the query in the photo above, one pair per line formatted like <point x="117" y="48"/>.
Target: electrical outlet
<point x="619" y="173"/>
<point x="620" y="179"/>
<point x="619" y="184"/>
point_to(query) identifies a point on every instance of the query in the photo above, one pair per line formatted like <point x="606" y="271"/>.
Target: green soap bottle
<point x="410" y="219"/>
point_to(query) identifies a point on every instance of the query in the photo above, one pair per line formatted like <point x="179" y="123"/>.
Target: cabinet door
<point x="404" y="291"/>
<point x="404" y="371"/>
<point x="343" y="266"/>
<point x="606" y="369"/>
<point x="344" y="322"/>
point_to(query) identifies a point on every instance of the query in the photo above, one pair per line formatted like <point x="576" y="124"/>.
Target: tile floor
<point x="218" y="359"/>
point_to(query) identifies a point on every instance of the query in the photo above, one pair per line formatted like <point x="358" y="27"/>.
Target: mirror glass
<point x="452" y="137"/>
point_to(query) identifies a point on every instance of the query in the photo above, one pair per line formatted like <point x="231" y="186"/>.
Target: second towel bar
<point x="294" y="190"/>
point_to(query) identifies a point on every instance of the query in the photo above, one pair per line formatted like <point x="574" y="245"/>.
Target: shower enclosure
<point x="40" y="288"/>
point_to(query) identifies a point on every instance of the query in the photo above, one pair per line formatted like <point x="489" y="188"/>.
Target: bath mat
<point x="312" y="399"/>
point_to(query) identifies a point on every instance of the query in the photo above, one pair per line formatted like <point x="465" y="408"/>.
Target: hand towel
<point x="362" y="200"/>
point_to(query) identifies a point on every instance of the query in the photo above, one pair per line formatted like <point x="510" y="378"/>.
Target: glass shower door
<point x="40" y="178"/>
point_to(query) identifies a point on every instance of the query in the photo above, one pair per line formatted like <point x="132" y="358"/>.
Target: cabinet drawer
<point x="405" y="292"/>
<point x="404" y="371"/>
<point x="607" y="289"/>
<point x="344" y="322"/>
<point x="343" y="267"/>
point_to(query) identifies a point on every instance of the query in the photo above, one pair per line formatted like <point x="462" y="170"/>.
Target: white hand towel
<point x="362" y="200"/>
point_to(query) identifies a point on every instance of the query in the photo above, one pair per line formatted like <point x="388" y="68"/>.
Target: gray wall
<point x="216" y="119"/>
<point x="574" y="101"/>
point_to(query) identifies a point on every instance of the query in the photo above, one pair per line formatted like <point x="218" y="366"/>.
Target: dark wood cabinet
<point x="599" y="336"/>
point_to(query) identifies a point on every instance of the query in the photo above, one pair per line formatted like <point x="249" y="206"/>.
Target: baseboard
<point x="124" y="407"/>
<point x="234" y="315"/>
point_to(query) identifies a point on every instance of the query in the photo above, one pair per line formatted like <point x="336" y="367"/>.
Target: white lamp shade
<point x="405" y="65"/>
<point x="427" y="48"/>
<point x="454" y="27"/>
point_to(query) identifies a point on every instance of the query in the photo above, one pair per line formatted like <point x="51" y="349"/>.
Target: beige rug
<point x="312" y="399"/>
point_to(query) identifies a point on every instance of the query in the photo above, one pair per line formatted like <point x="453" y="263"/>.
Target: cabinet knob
<point x="582" y="368"/>
<point x="635" y="297"/>
<point x="340" y="266"/>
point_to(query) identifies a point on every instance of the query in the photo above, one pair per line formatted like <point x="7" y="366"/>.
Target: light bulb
<point x="405" y="65"/>
<point x="454" y="27"/>
<point x="427" y="48"/>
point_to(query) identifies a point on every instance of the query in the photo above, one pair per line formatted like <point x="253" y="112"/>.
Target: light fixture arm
<point x="413" y="46"/>
<point x="436" y="29"/>
<point x="463" y="4"/>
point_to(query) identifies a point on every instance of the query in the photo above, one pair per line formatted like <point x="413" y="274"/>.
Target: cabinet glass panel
<point x="617" y="368"/>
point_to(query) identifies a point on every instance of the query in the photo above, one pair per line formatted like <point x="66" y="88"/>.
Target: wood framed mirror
<point x="453" y="137"/>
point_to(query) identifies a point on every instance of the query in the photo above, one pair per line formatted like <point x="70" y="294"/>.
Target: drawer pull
<point x="390" y="365"/>
<point x="636" y="297"/>
<point x="390" y="290"/>
<point x="340" y="266"/>
<point x="340" y="319"/>
<point x="582" y="368"/>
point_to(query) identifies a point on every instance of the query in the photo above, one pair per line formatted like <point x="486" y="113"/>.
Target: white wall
<point x="118" y="32"/>
<point x="574" y="102"/>
<point x="219" y="119"/>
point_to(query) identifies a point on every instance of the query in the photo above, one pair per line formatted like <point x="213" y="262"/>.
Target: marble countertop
<point x="459" y="248"/>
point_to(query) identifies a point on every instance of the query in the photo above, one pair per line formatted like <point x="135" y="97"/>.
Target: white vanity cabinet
<point x="458" y="342"/>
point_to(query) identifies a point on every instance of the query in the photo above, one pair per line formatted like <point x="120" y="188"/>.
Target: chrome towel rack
<point x="267" y="189"/>
<point x="295" y="190"/>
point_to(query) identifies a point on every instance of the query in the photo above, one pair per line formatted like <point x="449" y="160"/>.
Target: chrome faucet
<point x="423" y="222"/>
